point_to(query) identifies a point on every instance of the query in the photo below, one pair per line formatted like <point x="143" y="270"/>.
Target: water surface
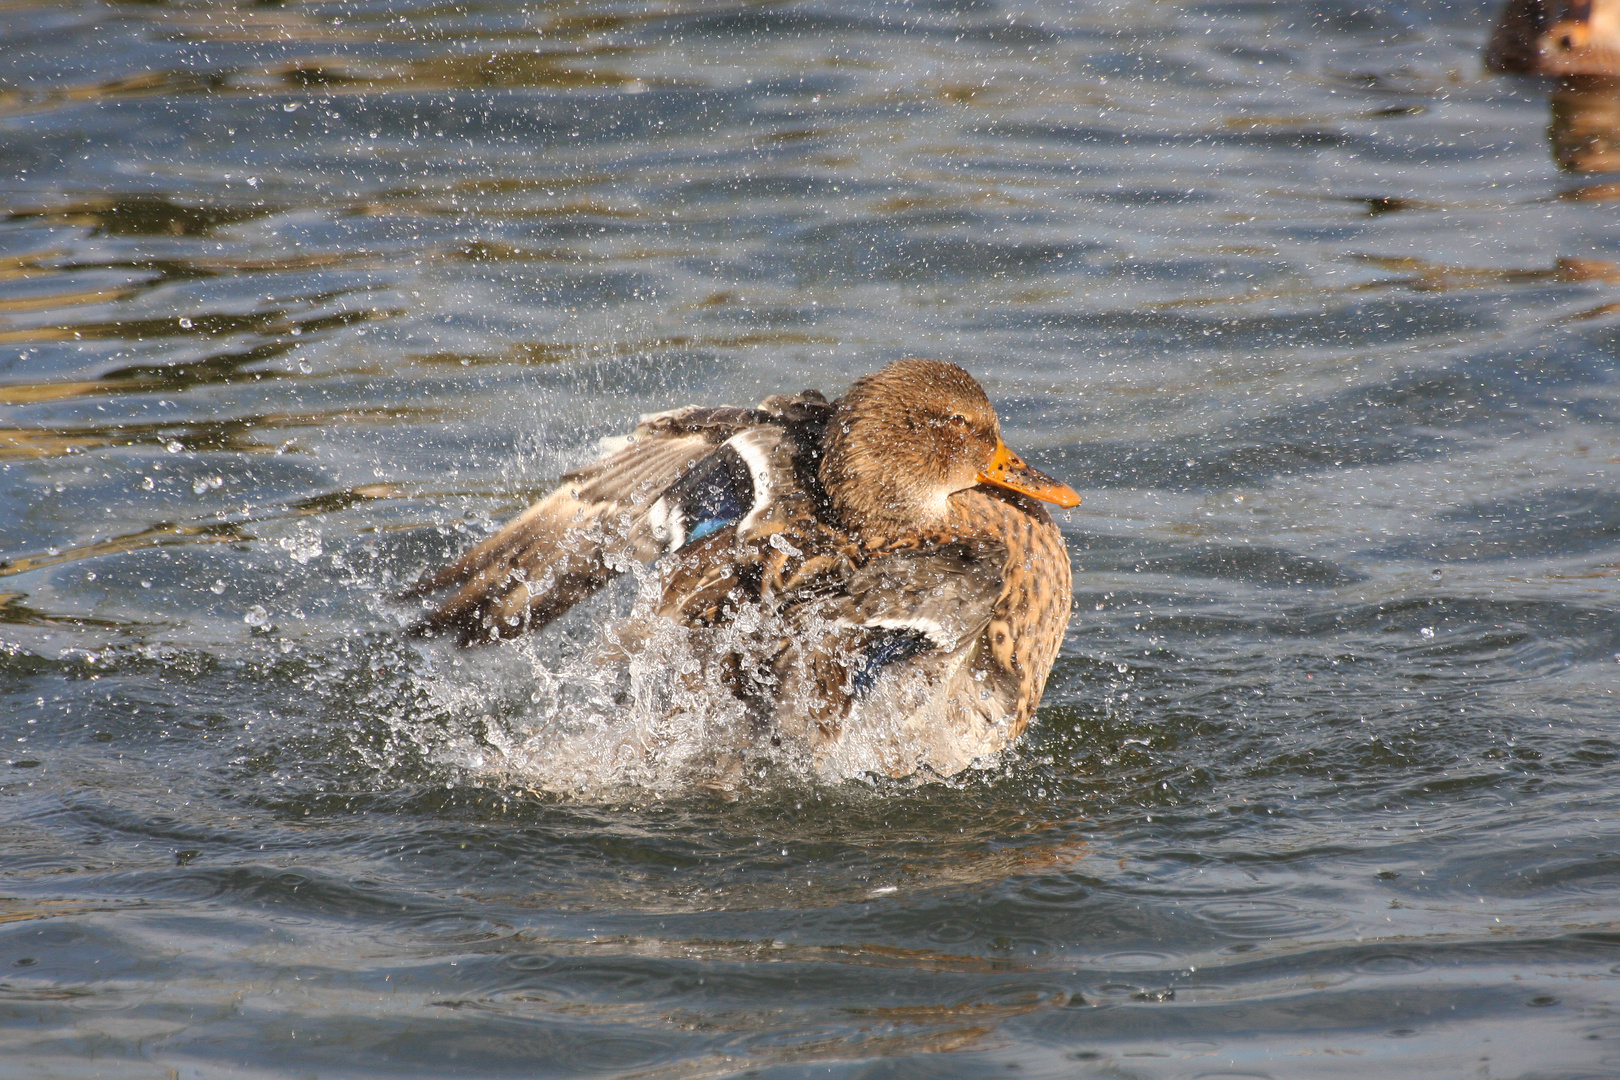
<point x="298" y="299"/>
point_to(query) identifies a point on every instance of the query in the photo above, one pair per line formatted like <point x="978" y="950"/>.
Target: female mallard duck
<point x="873" y="578"/>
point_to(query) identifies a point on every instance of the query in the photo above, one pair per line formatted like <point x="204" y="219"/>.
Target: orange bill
<point x="1008" y="470"/>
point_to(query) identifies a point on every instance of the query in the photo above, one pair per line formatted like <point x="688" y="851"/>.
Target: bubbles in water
<point x="303" y="545"/>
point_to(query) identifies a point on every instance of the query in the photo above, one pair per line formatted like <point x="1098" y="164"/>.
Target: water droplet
<point x="218" y="587"/>
<point x="303" y="545"/>
<point x="1427" y="631"/>
<point x="174" y="446"/>
<point x="256" y="616"/>
<point x="185" y="323"/>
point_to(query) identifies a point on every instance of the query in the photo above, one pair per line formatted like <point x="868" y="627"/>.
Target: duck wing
<point x="938" y="650"/>
<point x="931" y="601"/>
<point x="678" y="477"/>
<point x="879" y="639"/>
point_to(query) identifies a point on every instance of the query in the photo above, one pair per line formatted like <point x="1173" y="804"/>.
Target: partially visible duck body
<point x="1576" y="42"/>
<point x="873" y="579"/>
<point x="1557" y="38"/>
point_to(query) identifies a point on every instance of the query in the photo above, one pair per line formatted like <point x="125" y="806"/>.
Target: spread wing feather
<point x="922" y="694"/>
<point x="920" y="613"/>
<point x="577" y="538"/>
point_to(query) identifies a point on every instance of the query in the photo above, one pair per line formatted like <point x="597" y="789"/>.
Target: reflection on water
<point x="299" y="299"/>
<point x="1585" y="128"/>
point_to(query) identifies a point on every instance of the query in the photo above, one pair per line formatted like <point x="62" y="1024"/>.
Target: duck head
<point x="905" y="439"/>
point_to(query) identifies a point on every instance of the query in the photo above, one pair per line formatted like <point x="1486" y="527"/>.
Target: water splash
<point x="640" y="702"/>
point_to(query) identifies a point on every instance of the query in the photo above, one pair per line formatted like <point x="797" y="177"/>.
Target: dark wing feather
<point x="885" y="646"/>
<point x="576" y="539"/>
<point x="715" y="493"/>
<point x="920" y="613"/>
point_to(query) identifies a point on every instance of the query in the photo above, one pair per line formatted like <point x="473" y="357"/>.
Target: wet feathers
<point x="903" y="592"/>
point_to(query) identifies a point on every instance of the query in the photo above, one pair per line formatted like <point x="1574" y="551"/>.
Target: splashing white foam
<point x="620" y="698"/>
<point x="633" y="705"/>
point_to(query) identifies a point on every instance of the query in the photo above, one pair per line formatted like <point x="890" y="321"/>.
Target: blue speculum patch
<point x="889" y="646"/>
<point x="717" y="496"/>
<point x="707" y="528"/>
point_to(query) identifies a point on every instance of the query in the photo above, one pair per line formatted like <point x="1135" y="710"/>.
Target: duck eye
<point x="958" y="419"/>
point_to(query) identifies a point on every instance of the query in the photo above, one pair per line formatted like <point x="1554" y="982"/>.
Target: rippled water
<point x="297" y="299"/>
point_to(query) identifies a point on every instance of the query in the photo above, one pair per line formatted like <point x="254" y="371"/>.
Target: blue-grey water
<point x="297" y="299"/>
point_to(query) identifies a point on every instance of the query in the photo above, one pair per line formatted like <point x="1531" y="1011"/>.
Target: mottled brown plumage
<point x="874" y="578"/>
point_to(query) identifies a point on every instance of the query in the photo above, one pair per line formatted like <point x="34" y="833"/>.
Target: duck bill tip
<point x="1007" y="470"/>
